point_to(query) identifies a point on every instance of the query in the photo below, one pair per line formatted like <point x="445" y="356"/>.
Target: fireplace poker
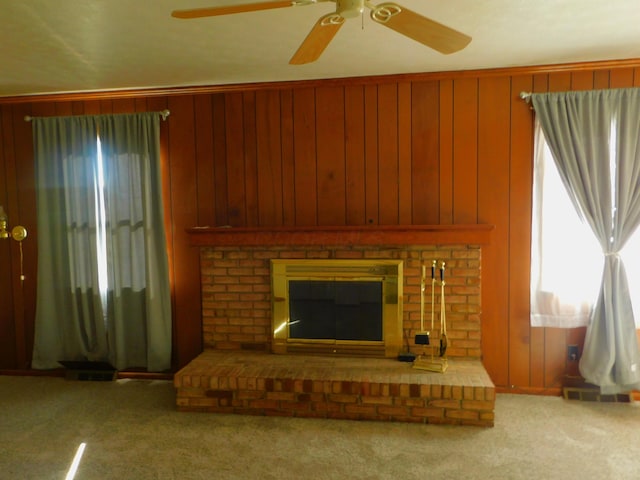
<point x="435" y="365"/>
<point x="443" y="317"/>
<point x="422" y="337"/>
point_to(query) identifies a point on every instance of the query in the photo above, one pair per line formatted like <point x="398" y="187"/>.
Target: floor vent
<point x="89" y="371"/>
<point x="588" y="394"/>
<point x="576" y="387"/>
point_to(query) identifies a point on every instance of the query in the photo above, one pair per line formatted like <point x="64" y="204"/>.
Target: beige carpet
<point x="132" y="431"/>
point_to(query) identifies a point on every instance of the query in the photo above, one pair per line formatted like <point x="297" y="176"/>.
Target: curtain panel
<point x="594" y="138"/>
<point x="101" y="202"/>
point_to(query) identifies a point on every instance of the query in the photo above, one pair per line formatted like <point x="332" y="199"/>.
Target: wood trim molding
<point x="243" y="87"/>
<point x="342" y="235"/>
<point x="550" y="391"/>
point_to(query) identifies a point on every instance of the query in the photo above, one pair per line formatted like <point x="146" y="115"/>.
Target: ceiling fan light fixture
<point x="349" y="8"/>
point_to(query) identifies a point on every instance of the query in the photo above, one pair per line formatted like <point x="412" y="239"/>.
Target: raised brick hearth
<point x="256" y="383"/>
<point x="237" y="373"/>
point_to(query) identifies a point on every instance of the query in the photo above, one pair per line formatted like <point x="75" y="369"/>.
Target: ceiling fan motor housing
<point x="349" y="8"/>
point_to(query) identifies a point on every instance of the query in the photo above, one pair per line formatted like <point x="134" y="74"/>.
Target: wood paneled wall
<point x="421" y="149"/>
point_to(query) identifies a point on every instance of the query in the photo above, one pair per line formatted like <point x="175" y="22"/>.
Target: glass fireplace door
<point x="335" y="310"/>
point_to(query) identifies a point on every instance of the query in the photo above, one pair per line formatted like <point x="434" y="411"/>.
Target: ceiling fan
<point x="404" y="21"/>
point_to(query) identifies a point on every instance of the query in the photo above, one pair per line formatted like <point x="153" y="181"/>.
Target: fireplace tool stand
<point x="425" y="361"/>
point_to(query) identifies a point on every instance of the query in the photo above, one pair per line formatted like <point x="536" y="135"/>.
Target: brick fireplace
<point x="238" y="333"/>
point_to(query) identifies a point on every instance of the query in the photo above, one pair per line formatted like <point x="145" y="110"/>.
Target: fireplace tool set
<point x="430" y="361"/>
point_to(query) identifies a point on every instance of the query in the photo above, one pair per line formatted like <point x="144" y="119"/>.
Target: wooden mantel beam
<point x="476" y="234"/>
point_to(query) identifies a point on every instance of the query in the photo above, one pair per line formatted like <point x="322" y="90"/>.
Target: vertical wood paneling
<point x="204" y="159"/>
<point x="183" y="172"/>
<point x="77" y="107"/>
<point x="250" y="159"/>
<point x="92" y="108"/>
<point x="221" y="188"/>
<point x="141" y="105"/>
<point x="64" y="108"/>
<point x="123" y="105"/>
<point x="446" y="151"/>
<point x="601" y="79"/>
<point x="425" y="119"/>
<point x="106" y="106"/>
<point x="9" y="319"/>
<point x="304" y="148"/>
<point x="465" y="146"/>
<point x="388" y="179"/>
<point x="288" y="163"/>
<point x="234" y="141"/>
<point x="372" y="196"/>
<point x="269" y="154"/>
<point x="582" y="80"/>
<point x="405" y="190"/>
<point x="493" y="153"/>
<point x="330" y="130"/>
<point x="354" y="155"/>
<point x="521" y="174"/>
<point x="621" y="78"/>
<point x="26" y="202"/>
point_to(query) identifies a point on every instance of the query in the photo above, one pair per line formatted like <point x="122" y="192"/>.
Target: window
<point x="566" y="258"/>
<point x="103" y="277"/>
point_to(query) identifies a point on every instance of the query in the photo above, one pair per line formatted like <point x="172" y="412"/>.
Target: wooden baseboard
<point x="58" y="372"/>
<point x="551" y="391"/>
<point x="61" y="372"/>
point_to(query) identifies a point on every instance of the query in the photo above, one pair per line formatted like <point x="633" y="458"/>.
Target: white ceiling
<point x="51" y="46"/>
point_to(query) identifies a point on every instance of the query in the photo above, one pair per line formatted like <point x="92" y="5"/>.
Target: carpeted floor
<point x="132" y="431"/>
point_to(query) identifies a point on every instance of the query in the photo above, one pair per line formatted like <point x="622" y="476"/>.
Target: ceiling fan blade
<point x="317" y="40"/>
<point x="230" y="9"/>
<point x="421" y="29"/>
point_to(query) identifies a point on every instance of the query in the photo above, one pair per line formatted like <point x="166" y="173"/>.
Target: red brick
<point x="393" y="411"/>
<point x="488" y="416"/>
<point x="250" y="394"/>
<point x="468" y="392"/>
<point x="360" y="409"/>
<point x="427" y="412"/>
<point x="296" y="406"/>
<point x="449" y="403"/>
<point x="489" y="393"/>
<point x="343" y="398"/>
<point x="278" y="413"/>
<point x="411" y="402"/>
<point x="326" y="407"/>
<point x="368" y="399"/>
<point x="219" y="394"/>
<point x="462" y="414"/>
<point x="288" y="396"/>
<point x="263" y="404"/>
<point x="485" y="405"/>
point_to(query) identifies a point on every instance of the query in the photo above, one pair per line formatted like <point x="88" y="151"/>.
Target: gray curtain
<point x="594" y="137"/>
<point x="129" y="325"/>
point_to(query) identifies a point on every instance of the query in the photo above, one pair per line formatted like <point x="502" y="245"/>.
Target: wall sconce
<point x="18" y="233"/>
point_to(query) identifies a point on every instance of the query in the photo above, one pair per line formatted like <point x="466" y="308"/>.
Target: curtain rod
<point x="526" y="96"/>
<point x="164" y="114"/>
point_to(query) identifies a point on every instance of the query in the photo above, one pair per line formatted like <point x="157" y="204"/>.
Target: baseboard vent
<point x="89" y="371"/>
<point x="587" y="394"/>
<point x="576" y="388"/>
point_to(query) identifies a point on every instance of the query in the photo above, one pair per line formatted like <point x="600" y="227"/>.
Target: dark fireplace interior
<point x="335" y="310"/>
